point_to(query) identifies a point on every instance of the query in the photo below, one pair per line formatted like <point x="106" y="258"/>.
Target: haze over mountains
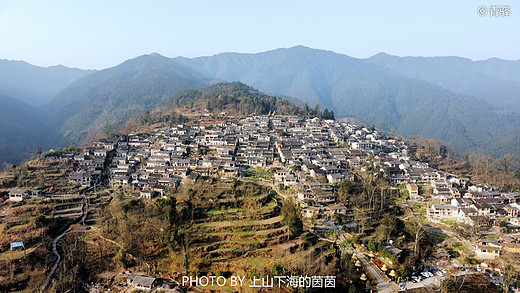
<point x="22" y="129"/>
<point x="23" y="88"/>
<point x="495" y="81"/>
<point x="35" y="85"/>
<point x="471" y="104"/>
<point x="117" y="94"/>
<point x="377" y="93"/>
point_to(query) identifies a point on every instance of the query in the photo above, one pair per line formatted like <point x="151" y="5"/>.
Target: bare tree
<point x="510" y="275"/>
<point x="416" y="230"/>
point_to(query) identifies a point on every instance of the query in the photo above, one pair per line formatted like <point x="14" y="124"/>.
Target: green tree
<point x="39" y="151"/>
<point x="175" y="238"/>
<point x="22" y="175"/>
<point x="278" y="270"/>
<point x="327" y="114"/>
<point x="171" y="216"/>
<point x="291" y="217"/>
<point x="121" y="258"/>
<point x="337" y="219"/>
<point x="39" y="221"/>
<point x="372" y="245"/>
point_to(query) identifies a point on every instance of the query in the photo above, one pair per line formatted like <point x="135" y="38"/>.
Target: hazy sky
<point x="100" y="34"/>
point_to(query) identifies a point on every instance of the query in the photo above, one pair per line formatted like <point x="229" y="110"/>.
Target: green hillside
<point x="235" y="99"/>
<point x="492" y="80"/>
<point x="22" y="130"/>
<point x="355" y="87"/>
<point x="117" y="94"/>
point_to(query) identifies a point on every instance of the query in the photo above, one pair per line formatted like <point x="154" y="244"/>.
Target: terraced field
<point x="229" y="228"/>
<point x="249" y="236"/>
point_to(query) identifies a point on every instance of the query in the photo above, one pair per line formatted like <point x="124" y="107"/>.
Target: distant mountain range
<point x="22" y="130"/>
<point x="378" y="93"/>
<point x="472" y="105"/>
<point x="495" y="81"/>
<point x="117" y="94"/>
<point x="35" y="85"/>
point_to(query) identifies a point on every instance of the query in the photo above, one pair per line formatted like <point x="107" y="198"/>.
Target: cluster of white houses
<point x="91" y="162"/>
<point x="483" y="209"/>
<point x="309" y="156"/>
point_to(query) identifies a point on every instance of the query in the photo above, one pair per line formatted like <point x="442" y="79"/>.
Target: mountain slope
<point x="354" y="87"/>
<point x="492" y="80"/>
<point x="22" y="130"/>
<point x="298" y="72"/>
<point x="505" y="70"/>
<point x="35" y="85"/>
<point x="235" y="98"/>
<point x="206" y="107"/>
<point x="508" y="143"/>
<point x="116" y="94"/>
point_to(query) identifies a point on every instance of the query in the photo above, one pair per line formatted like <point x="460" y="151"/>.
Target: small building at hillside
<point x="487" y="249"/>
<point x="413" y="190"/>
<point x="17" y="245"/>
<point x="18" y="194"/>
<point x="142" y="282"/>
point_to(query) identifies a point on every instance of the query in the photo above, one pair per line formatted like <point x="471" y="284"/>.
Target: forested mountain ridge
<point x="385" y="91"/>
<point x="115" y="95"/>
<point x="237" y="97"/>
<point x="376" y="94"/>
<point x="218" y="103"/>
<point x="494" y="80"/>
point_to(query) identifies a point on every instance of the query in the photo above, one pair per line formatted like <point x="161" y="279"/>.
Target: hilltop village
<point x="319" y="163"/>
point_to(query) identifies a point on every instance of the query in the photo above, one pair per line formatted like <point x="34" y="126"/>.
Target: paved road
<point x="382" y="284"/>
<point x="435" y="280"/>
<point x="55" y="241"/>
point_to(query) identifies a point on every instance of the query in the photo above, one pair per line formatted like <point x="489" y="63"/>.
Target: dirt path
<point x="55" y="241"/>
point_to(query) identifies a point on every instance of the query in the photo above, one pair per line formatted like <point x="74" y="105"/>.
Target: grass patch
<point x="244" y="233"/>
<point x="12" y="255"/>
<point x="259" y="262"/>
<point x="20" y="226"/>
<point x="460" y="247"/>
<point x="240" y="223"/>
<point x="217" y="211"/>
<point x="246" y="241"/>
<point x="449" y="222"/>
<point x="437" y="236"/>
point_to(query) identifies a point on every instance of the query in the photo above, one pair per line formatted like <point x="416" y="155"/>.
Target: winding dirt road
<point x="55" y="241"/>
